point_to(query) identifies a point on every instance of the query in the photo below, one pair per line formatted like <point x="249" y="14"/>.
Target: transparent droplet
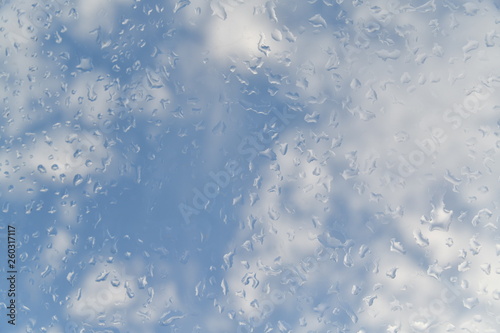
<point x="41" y="169"/>
<point x="77" y="180"/>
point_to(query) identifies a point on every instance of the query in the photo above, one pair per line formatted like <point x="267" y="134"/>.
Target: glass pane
<point x="249" y="166"/>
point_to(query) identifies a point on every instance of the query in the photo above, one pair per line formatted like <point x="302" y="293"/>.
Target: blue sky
<point x="251" y="166"/>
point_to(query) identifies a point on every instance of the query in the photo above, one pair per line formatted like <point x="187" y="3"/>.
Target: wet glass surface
<point x="251" y="166"/>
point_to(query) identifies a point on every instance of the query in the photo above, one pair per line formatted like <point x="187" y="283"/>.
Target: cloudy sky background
<point x="365" y="135"/>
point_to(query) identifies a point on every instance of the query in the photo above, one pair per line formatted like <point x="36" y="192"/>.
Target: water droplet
<point x="318" y="21"/>
<point x="130" y="293"/>
<point x="470" y="302"/>
<point x="85" y="64"/>
<point x="420" y="239"/>
<point x="250" y="279"/>
<point x="142" y="282"/>
<point x="218" y="9"/>
<point x="397" y="246"/>
<point x="401" y="136"/>
<point x="440" y="218"/>
<point x="277" y="35"/>
<point x="41" y="169"/>
<point x="181" y="4"/>
<point x="170" y="316"/>
<point x="273" y="214"/>
<point x="391" y="273"/>
<point x="71" y="277"/>
<point x="77" y="180"/>
<point x="102" y="276"/>
<point x="387" y="54"/>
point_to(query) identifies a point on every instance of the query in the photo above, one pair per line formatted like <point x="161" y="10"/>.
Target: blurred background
<point x="251" y="166"/>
